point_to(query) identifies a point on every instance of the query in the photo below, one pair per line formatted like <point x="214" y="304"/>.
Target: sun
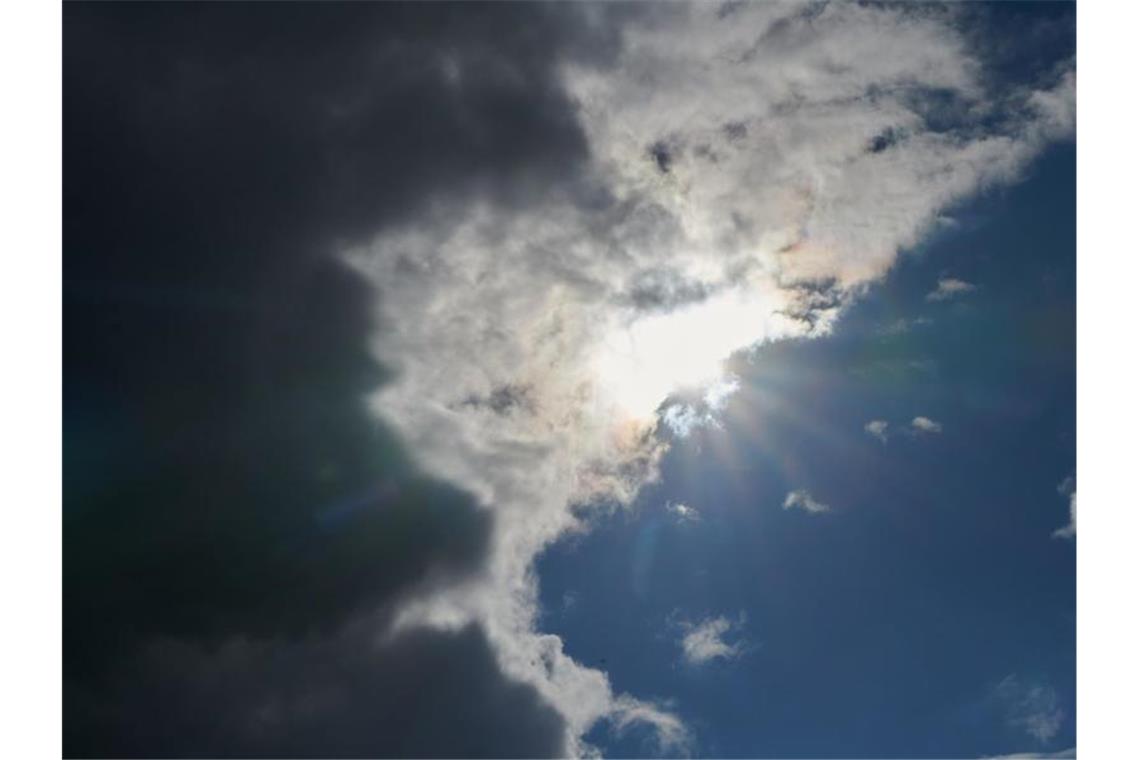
<point x="644" y="361"/>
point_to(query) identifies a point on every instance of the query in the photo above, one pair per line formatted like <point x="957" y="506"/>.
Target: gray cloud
<point x="343" y="695"/>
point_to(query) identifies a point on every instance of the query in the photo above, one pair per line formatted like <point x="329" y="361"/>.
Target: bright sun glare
<point x="642" y="363"/>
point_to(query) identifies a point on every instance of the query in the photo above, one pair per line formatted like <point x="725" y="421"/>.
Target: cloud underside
<point x="534" y="232"/>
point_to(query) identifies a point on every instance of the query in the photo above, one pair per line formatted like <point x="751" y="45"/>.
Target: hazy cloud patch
<point x="1032" y="708"/>
<point x="950" y="287"/>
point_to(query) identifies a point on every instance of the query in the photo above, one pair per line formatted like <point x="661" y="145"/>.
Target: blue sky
<point x="885" y="626"/>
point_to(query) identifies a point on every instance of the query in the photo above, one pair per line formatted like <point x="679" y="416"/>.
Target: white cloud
<point x="877" y="429"/>
<point x="767" y="117"/>
<point x="950" y="287"/>
<point x="925" y="425"/>
<point x="705" y="641"/>
<point x="683" y="512"/>
<point x="1070" y="530"/>
<point x="803" y="500"/>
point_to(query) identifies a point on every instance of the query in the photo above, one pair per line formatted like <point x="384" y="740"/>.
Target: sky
<point x="523" y="380"/>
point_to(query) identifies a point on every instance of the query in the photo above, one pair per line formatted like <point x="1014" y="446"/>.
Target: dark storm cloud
<point x="423" y="694"/>
<point x="223" y="480"/>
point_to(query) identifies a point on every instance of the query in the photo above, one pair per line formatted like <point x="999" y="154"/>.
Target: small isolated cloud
<point x="925" y="425"/>
<point x="950" y="287"/>
<point x="877" y="429"/>
<point x="1068" y="487"/>
<point x="683" y="512"/>
<point x="801" y="499"/>
<point x="1032" y="708"/>
<point x="704" y="641"/>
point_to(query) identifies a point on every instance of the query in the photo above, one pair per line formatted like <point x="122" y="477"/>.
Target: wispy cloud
<point x="1068" y="487"/>
<point x="683" y="512"/>
<point x="801" y="499"/>
<point x="925" y="425"/>
<point x="1033" y="708"/>
<point x="683" y="418"/>
<point x="705" y="641"/>
<point x="877" y="429"/>
<point x="950" y="287"/>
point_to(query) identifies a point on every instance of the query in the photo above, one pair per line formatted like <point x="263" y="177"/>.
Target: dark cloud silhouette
<point x="230" y="505"/>
<point x="423" y="694"/>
